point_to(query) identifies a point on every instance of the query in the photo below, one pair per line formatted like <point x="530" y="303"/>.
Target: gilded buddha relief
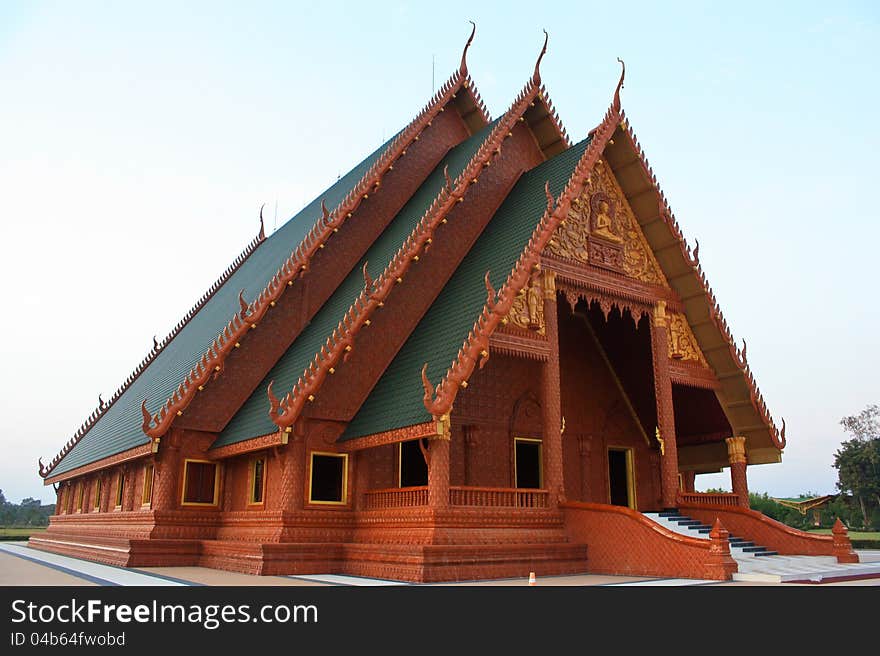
<point x="602" y="215"/>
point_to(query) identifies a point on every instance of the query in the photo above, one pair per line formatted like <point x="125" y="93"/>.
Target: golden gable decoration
<point x="682" y="343"/>
<point x="527" y="311"/>
<point x="601" y="230"/>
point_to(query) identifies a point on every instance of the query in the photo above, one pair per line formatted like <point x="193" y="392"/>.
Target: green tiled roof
<point x="119" y="429"/>
<point x="396" y="400"/>
<point x="253" y="419"/>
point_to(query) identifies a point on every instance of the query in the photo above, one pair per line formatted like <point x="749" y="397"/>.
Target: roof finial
<point x="619" y="85"/>
<point x="536" y="78"/>
<point x="463" y="68"/>
<point x="262" y="226"/>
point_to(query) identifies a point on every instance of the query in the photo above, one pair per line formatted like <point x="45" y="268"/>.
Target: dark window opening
<point x="328" y="478"/>
<point x="528" y="463"/>
<point x="120" y="486"/>
<point x="413" y="468"/>
<point x="618" y="477"/>
<point x="257" y="481"/>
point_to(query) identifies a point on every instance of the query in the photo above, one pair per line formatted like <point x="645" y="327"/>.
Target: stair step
<point x="689" y="522"/>
<point x="700" y="527"/>
<point x="669" y="513"/>
<point x="741" y="543"/>
<point x="754" y="550"/>
<point x="766" y="553"/>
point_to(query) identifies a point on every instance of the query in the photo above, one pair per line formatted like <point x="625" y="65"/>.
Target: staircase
<point x="740" y="548"/>
<point x="761" y="565"/>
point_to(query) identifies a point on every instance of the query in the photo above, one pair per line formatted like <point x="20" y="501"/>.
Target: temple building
<point x="486" y="350"/>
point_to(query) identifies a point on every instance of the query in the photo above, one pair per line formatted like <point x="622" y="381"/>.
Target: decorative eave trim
<point x="692" y="258"/>
<point x="125" y="456"/>
<point x="338" y="346"/>
<point x="692" y="375"/>
<point x="506" y="342"/>
<point x="438" y="401"/>
<point x="610" y="283"/>
<point x="211" y="364"/>
<point x="416" y="431"/>
<point x="246" y="446"/>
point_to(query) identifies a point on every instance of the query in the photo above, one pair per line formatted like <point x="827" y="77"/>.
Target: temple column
<point x="665" y="413"/>
<point x="128" y="490"/>
<point x="584" y="443"/>
<point x="688" y="480"/>
<point x="106" y="484"/>
<point x="293" y="474"/>
<point x="736" y="454"/>
<point x="551" y="398"/>
<point x="438" y="465"/>
<point x="167" y="465"/>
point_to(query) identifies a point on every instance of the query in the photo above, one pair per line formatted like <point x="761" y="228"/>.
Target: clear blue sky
<point x="137" y="143"/>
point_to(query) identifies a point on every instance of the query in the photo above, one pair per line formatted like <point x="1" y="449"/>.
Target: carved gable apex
<point x="602" y="230"/>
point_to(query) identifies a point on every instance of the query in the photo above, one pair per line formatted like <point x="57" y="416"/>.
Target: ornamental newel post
<point x="551" y="397"/>
<point x="736" y="454"/>
<point x="437" y="455"/>
<point x="720" y="565"/>
<point x="842" y="545"/>
<point x="665" y="413"/>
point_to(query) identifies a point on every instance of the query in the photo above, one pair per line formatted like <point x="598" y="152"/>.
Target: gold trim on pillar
<point x="549" y="285"/>
<point x="660" y="317"/>
<point x="736" y="449"/>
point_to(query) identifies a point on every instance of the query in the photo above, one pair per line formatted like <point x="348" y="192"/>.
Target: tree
<point x="858" y="461"/>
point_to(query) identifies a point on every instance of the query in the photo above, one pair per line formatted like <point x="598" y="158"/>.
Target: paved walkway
<point x="22" y="566"/>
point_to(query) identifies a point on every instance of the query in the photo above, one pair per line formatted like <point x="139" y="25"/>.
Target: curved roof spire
<point x="536" y="78"/>
<point x="619" y="85"/>
<point x="463" y="67"/>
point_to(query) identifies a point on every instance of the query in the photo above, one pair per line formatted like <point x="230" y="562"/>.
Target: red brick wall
<point x="624" y="542"/>
<point x="487" y="408"/>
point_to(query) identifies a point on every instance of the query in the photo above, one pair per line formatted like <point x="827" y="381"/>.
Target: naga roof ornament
<point x="211" y="363"/>
<point x="339" y="345"/>
<point x="438" y="400"/>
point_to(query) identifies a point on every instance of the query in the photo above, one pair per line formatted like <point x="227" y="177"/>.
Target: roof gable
<point x="189" y="357"/>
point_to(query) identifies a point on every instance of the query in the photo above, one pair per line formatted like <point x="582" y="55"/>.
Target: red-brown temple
<point x="484" y="351"/>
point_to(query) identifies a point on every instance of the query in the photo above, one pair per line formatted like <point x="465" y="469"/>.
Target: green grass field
<point x="19" y="532"/>
<point x="853" y="535"/>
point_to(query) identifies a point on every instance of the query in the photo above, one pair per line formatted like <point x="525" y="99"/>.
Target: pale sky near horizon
<point x="138" y="141"/>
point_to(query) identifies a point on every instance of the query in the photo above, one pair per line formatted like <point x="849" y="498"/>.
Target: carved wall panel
<point x="601" y="229"/>
<point x="528" y="308"/>
<point x="682" y="343"/>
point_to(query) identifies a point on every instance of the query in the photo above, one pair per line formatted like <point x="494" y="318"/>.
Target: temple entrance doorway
<point x="412" y="469"/>
<point x="621" y="488"/>
<point x="528" y="465"/>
